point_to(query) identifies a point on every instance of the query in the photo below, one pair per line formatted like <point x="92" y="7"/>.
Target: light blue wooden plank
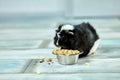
<point x="28" y="34"/>
<point x="13" y="65"/>
<point x="20" y="44"/>
<point x="57" y="19"/>
<point x="78" y="76"/>
<point x="26" y="25"/>
<point x="96" y="65"/>
<point x="26" y="54"/>
<point x="115" y="42"/>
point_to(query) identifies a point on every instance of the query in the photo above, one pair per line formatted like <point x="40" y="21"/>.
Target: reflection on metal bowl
<point x="68" y="59"/>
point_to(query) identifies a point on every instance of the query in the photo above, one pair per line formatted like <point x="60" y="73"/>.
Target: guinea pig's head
<point x="64" y="37"/>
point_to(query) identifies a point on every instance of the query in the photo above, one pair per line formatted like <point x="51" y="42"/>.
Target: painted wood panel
<point x="13" y="66"/>
<point x="78" y="76"/>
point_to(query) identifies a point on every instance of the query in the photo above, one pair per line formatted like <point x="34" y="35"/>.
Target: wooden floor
<point x="22" y="45"/>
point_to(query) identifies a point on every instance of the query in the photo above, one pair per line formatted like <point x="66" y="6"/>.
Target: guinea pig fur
<point x="82" y="37"/>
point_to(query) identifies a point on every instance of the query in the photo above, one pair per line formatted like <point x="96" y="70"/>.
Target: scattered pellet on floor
<point x="38" y="72"/>
<point x="87" y="64"/>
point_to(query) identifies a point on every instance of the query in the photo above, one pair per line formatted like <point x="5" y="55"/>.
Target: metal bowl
<point x="68" y="59"/>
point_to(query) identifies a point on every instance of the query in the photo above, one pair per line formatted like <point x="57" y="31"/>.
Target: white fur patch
<point x="95" y="46"/>
<point x="67" y="27"/>
<point x="58" y="38"/>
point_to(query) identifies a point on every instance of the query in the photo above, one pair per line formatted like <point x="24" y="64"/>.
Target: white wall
<point x="96" y="8"/>
<point x="31" y="6"/>
<point x="69" y="8"/>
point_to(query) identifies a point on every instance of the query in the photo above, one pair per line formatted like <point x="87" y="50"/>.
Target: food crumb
<point x="87" y="64"/>
<point x="59" y="47"/>
<point x="38" y="72"/>
<point x="94" y="54"/>
<point x="48" y="59"/>
<point x="42" y="60"/>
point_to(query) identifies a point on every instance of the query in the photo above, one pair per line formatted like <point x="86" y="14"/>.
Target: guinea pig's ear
<point x="59" y="26"/>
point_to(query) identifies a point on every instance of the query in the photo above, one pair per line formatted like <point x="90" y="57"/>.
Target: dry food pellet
<point x="94" y="53"/>
<point x="48" y="59"/>
<point x="59" y="47"/>
<point x="49" y="63"/>
<point x="42" y="60"/>
<point x="38" y="72"/>
<point x="87" y="64"/>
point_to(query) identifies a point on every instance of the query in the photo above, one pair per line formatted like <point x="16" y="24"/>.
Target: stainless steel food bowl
<point x="67" y="59"/>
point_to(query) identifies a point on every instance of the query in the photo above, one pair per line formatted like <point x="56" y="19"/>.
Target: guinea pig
<point x="82" y="37"/>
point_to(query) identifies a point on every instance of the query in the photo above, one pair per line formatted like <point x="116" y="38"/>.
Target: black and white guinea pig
<point x="82" y="37"/>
